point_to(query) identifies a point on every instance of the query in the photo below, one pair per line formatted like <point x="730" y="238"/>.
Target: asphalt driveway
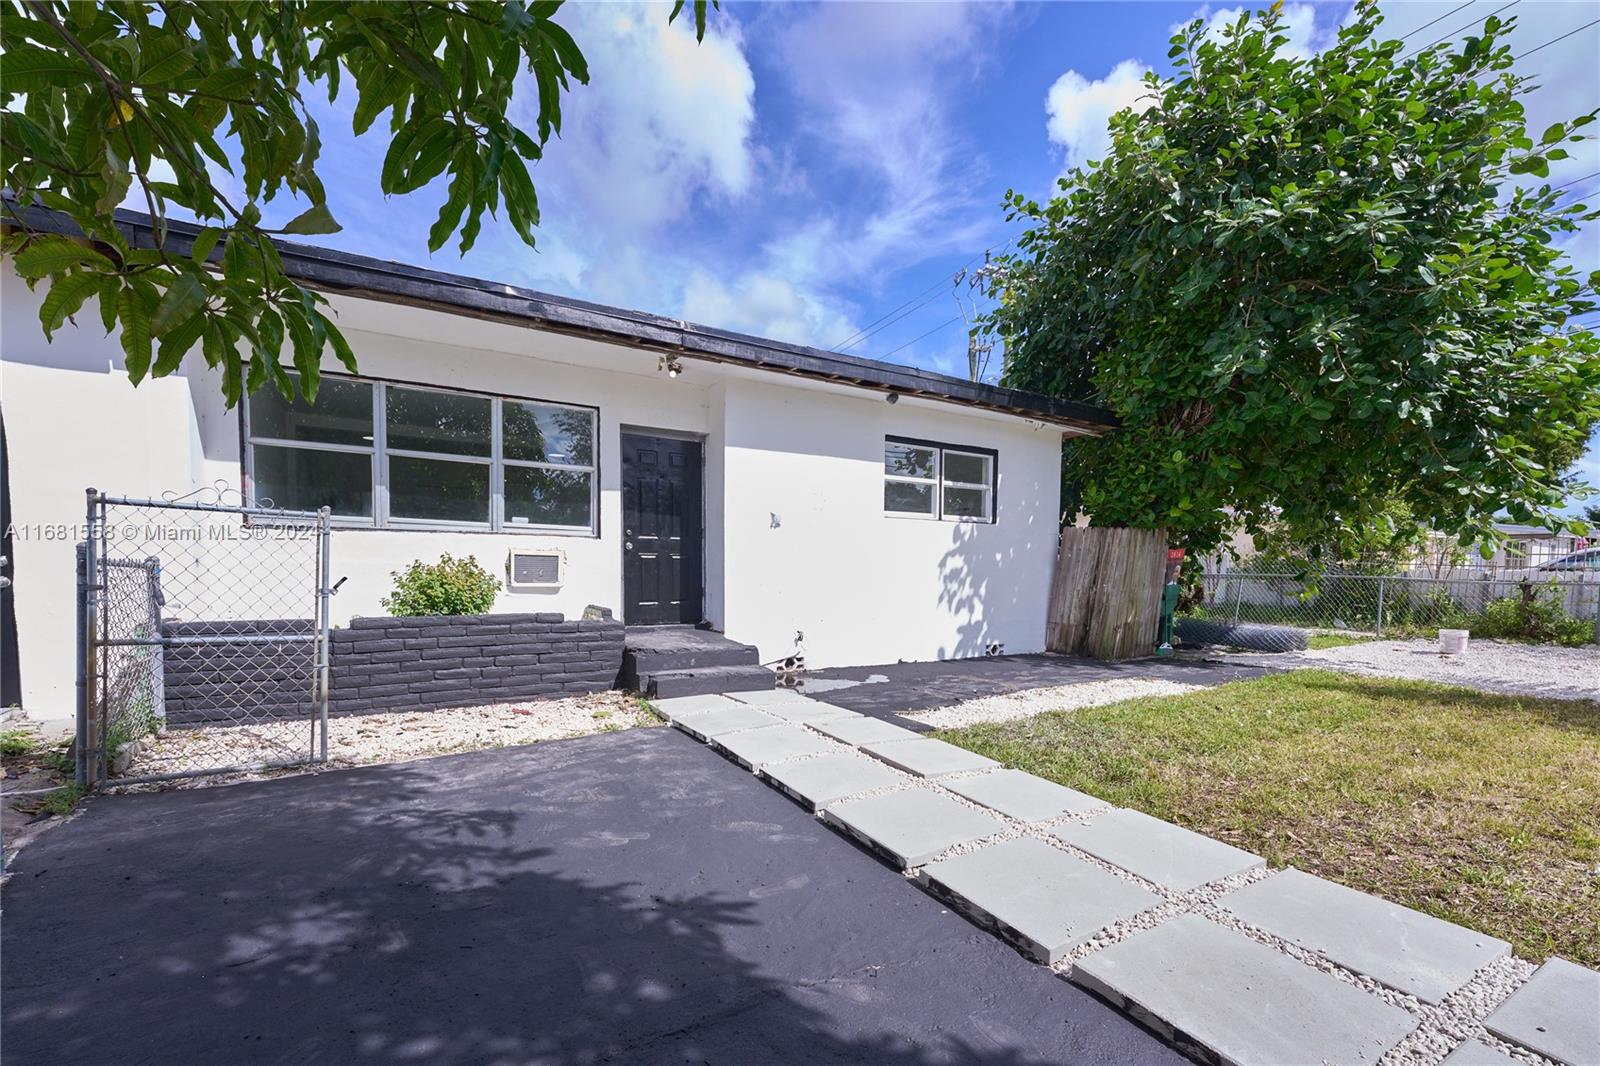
<point x="899" y="688"/>
<point x="628" y="897"/>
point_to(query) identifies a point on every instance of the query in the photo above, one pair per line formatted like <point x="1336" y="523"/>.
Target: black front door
<point x="661" y="530"/>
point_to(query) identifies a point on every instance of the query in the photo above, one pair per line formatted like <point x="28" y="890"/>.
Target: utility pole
<point x="979" y="348"/>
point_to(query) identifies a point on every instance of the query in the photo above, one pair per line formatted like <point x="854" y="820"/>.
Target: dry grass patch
<point x="1481" y="809"/>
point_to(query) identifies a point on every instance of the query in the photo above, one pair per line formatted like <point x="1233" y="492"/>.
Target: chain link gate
<point x="202" y="638"/>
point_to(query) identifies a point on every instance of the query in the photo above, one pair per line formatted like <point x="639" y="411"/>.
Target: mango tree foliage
<point x="1314" y="290"/>
<point x="100" y="99"/>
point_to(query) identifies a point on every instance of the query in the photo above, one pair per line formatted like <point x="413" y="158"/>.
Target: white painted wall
<point x="809" y="549"/>
<point x="863" y="587"/>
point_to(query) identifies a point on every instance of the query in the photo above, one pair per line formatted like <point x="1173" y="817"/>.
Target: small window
<point x="939" y="481"/>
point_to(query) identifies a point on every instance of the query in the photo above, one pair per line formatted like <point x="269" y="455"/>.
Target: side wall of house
<point x="810" y="552"/>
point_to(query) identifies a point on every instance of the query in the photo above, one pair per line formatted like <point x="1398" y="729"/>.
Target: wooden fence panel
<point x="1105" y="598"/>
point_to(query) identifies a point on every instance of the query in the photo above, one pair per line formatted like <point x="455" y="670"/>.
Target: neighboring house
<point x="870" y="512"/>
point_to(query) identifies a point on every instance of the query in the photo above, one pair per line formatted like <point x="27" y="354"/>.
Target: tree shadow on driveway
<point x="622" y="898"/>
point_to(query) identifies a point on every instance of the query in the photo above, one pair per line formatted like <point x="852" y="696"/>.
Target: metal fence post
<point x="1380" y="607"/>
<point x="85" y="769"/>
<point x="1238" y="597"/>
<point x="324" y="593"/>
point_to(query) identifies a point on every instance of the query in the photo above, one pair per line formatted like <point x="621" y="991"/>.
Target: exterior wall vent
<point x="533" y="570"/>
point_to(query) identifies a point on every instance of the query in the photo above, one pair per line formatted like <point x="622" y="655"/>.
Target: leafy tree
<point x="1591" y="515"/>
<point x="1298" y="285"/>
<point x="100" y="99"/>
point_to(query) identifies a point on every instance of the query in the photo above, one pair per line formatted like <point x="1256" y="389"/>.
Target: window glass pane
<point x="907" y="496"/>
<point x="547" y="497"/>
<point x="303" y="480"/>
<point x="545" y="434"/>
<point x="966" y="503"/>
<point x="421" y="421"/>
<point x="907" y="460"/>
<point x="438" y="489"/>
<point x="341" y="415"/>
<point x="961" y="466"/>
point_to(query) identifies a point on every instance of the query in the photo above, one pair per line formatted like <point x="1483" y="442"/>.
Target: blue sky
<point x="809" y="170"/>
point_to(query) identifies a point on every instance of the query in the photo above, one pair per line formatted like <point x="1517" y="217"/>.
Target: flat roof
<point x="329" y="270"/>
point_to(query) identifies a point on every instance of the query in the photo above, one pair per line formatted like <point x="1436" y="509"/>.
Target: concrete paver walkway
<point x="1194" y="937"/>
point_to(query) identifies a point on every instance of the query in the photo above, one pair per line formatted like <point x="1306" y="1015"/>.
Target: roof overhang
<point x="328" y="270"/>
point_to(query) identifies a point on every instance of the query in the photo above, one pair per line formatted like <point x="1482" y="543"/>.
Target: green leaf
<point x="316" y="219"/>
<point x="30" y="69"/>
<point x="134" y="316"/>
<point x="167" y="57"/>
<point x="205" y="242"/>
<point x="341" y="347"/>
<point x="177" y="344"/>
<point x="450" y="214"/>
<point x="183" y="299"/>
<point x="66" y="297"/>
<point x="51" y="255"/>
<point x="233" y="84"/>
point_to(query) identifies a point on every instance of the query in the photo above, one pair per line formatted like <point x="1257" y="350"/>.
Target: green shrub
<point x="17" y="742"/>
<point x="1534" y="614"/>
<point x="449" y="586"/>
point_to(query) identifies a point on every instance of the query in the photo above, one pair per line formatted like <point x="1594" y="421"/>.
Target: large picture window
<point x="403" y="456"/>
<point x="924" y="479"/>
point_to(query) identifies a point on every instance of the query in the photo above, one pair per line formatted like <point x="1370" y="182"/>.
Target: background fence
<point x="1105" y="600"/>
<point x="1401" y="605"/>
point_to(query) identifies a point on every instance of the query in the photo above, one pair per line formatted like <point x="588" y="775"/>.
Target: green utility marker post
<point x="1169" y="600"/>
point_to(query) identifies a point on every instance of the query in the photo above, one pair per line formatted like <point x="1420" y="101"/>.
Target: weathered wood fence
<point x="1105" y="600"/>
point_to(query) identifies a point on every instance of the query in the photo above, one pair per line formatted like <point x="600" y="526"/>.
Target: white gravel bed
<point x="382" y="738"/>
<point x="1029" y="702"/>
<point x="1491" y="665"/>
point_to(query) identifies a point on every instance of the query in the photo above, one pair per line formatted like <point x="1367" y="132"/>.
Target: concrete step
<point x="655" y="650"/>
<point x="706" y="680"/>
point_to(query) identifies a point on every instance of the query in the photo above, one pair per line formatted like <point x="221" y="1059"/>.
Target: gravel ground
<point x="1033" y="701"/>
<point x="1492" y="665"/>
<point x="382" y="738"/>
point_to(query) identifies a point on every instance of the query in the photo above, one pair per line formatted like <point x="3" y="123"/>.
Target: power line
<point x="926" y="296"/>
<point x="1441" y="18"/>
<point x="913" y="340"/>
<point x="1468" y="26"/>
<point x="1558" y="40"/>
<point x="1574" y="181"/>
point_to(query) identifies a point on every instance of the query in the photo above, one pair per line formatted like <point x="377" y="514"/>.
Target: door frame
<point x="629" y="429"/>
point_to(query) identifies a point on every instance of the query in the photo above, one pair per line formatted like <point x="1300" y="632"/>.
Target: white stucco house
<point x="675" y="473"/>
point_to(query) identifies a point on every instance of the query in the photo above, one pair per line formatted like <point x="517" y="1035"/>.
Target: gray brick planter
<point x="425" y="663"/>
<point x="389" y="664"/>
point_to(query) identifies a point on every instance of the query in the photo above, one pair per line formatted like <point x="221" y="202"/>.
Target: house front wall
<point x="797" y="544"/>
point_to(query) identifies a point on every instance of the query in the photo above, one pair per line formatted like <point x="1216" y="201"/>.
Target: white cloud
<point x="765" y="304"/>
<point x="662" y="119"/>
<point x="1079" y="109"/>
<point x="876" y="80"/>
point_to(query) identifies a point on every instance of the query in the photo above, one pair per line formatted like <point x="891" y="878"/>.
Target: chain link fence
<point x="1560" y="606"/>
<point x="203" y="636"/>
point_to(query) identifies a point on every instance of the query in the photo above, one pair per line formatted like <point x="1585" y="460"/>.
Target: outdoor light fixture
<point x="670" y="365"/>
<point x="893" y="397"/>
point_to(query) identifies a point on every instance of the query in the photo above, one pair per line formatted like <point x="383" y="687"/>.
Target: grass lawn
<point x="1477" y="808"/>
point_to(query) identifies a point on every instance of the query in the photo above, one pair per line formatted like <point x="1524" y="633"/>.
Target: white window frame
<point x="939" y="483"/>
<point x="380" y="453"/>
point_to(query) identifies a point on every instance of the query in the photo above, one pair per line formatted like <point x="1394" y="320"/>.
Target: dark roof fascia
<point x="330" y="270"/>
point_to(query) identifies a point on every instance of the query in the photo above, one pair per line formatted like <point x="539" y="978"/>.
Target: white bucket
<point x="1453" y="641"/>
